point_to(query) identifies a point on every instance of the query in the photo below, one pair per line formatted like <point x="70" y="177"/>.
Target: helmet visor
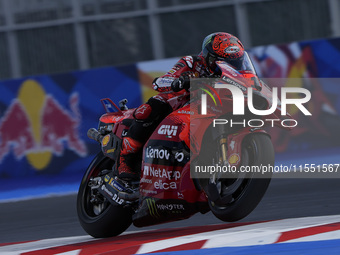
<point x="241" y="64"/>
<point x="236" y="63"/>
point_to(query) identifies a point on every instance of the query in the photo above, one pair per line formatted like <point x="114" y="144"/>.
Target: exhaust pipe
<point x="129" y="196"/>
<point x="94" y="134"/>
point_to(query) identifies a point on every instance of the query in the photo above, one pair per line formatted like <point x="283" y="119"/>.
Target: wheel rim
<point x="90" y="208"/>
<point x="235" y="188"/>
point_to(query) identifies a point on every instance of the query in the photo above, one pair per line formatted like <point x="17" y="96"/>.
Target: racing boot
<point x="127" y="159"/>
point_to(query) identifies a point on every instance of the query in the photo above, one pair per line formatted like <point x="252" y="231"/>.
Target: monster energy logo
<point x="167" y="207"/>
<point x="208" y="40"/>
<point x="152" y="207"/>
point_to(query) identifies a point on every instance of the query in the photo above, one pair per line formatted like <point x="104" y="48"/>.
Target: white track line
<point x="267" y="233"/>
<point x="43" y="244"/>
<point x="259" y="233"/>
<point x="332" y="235"/>
<point x="16" y="249"/>
<point x="253" y="234"/>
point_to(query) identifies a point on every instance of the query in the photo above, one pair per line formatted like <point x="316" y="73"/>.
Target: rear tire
<point x="257" y="149"/>
<point x="104" y="219"/>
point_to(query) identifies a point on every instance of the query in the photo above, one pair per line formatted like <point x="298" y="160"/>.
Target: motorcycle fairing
<point x="154" y="211"/>
<point x="262" y="94"/>
<point x="167" y="191"/>
<point x="111" y="146"/>
<point x="116" y="122"/>
<point x="165" y="162"/>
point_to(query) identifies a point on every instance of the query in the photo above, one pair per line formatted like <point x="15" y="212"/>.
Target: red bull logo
<point x="15" y="131"/>
<point x="37" y="126"/>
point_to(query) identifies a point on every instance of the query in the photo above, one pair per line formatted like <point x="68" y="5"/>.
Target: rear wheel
<point x="243" y="192"/>
<point x="98" y="217"/>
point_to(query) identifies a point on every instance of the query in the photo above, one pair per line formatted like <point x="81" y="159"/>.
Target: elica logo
<point x="238" y="103"/>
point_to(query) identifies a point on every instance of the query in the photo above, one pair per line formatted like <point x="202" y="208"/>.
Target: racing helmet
<point x="225" y="47"/>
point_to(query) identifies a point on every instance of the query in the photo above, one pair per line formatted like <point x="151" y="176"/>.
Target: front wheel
<point x="98" y="217"/>
<point x="248" y="190"/>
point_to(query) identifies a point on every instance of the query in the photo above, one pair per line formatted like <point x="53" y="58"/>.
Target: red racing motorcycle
<point x="191" y="163"/>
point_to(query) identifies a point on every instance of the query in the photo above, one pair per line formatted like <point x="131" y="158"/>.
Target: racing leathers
<point x="149" y="115"/>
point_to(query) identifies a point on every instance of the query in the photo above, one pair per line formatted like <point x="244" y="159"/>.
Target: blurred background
<point x="58" y="58"/>
<point x="51" y="36"/>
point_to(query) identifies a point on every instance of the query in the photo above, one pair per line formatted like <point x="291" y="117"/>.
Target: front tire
<point x="257" y="149"/>
<point x="100" y="219"/>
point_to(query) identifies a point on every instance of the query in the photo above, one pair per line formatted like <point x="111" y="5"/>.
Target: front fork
<point x="231" y="144"/>
<point x="234" y="145"/>
<point x="224" y="150"/>
<point x="223" y="156"/>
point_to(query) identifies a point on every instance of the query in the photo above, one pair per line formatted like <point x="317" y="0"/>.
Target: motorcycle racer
<point x="215" y="47"/>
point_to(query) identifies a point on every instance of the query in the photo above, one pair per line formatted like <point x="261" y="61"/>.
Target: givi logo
<point x="168" y="130"/>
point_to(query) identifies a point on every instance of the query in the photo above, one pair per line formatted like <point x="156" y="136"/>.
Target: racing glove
<point x="183" y="82"/>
